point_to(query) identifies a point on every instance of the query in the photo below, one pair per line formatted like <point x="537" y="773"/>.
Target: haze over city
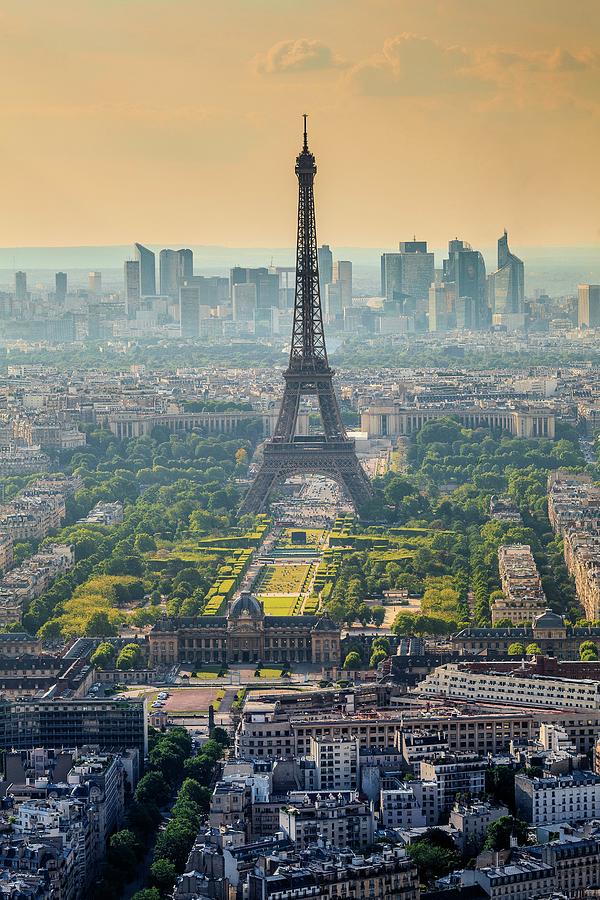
<point x="300" y="450"/>
<point x="175" y="120"/>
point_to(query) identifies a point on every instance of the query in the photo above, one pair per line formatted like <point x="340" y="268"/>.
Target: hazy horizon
<point x="555" y="269"/>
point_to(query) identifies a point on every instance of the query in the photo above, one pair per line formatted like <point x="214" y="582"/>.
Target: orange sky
<point x="177" y="121"/>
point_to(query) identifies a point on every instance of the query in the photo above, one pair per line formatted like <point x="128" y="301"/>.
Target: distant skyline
<point x="140" y="119"/>
<point x="556" y="269"/>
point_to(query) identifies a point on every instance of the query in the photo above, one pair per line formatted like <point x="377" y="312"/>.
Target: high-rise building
<point x="132" y="286"/>
<point x="466" y="268"/>
<point x="147" y="261"/>
<point x="175" y="267"/>
<point x="192" y="308"/>
<point x="244" y="302"/>
<point x="333" y="309"/>
<point x="406" y="276"/>
<point x="287" y="285"/>
<point x="267" y="285"/>
<point x="186" y="264"/>
<point x="21" y="286"/>
<point x="438" y="308"/>
<point x="95" y="283"/>
<point x="325" y="260"/>
<point x="588" y="305"/>
<point x="342" y="274"/>
<point x="60" y="287"/>
<point x="506" y="286"/>
<point x="168" y="263"/>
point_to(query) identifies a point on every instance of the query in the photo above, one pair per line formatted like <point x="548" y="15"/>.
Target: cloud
<point x="414" y="66"/>
<point x="410" y="65"/>
<point x="565" y="61"/>
<point x="301" y="55"/>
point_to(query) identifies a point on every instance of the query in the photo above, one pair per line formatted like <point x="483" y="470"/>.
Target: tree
<point x="152" y="786"/>
<point x="381" y="643"/>
<point x="396" y="490"/>
<point x="432" y="861"/>
<point x="144" y="543"/>
<point x="147" y="894"/>
<point x="103" y="656"/>
<point x="199" y="768"/>
<point x="377" y="656"/>
<point x="499" y="833"/>
<point x="377" y="615"/>
<point x="516" y="649"/>
<point x="533" y="649"/>
<point x="130" y="657"/>
<point x="163" y="874"/>
<point x="588" y="651"/>
<point x="219" y="735"/>
<point x="143" y="818"/>
<point x="241" y="457"/>
<point x="175" y="841"/>
<point x="353" y="660"/>
<point x="192" y="790"/>
<point x="124" y="848"/>
<point x="99" y="625"/>
<point x="500" y="784"/>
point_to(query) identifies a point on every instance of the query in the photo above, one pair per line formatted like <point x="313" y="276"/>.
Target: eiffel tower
<point x="308" y="373"/>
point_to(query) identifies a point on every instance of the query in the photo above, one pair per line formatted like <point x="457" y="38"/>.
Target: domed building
<point x="549" y="631"/>
<point x="245" y="635"/>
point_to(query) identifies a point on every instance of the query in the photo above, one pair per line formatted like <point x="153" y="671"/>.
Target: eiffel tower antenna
<point x="331" y="453"/>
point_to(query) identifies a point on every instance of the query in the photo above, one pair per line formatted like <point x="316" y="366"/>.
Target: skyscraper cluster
<point x="459" y="296"/>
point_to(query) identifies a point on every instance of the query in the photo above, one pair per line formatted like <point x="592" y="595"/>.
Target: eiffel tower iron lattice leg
<point x="331" y="453"/>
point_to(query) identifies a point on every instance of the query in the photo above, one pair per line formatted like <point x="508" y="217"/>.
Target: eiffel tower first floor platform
<point x="308" y="456"/>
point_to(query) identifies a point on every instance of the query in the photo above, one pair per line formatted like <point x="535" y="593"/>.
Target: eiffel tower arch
<point x="331" y="453"/>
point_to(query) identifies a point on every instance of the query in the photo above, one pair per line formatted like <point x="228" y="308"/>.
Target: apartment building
<point x="38" y="864"/>
<point x="524" y="599"/>
<point x="32" y="518"/>
<point x="475" y="728"/>
<point x="104" y="514"/>
<point x="21" y="585"/>
<point x="336" y="762"/>
<point x="418" y="745"/>
<point x="519" y="879"/>
<point x="574" y="512"/>
<point x="18" y="643"/>
<point x="341" y="820"/>
<point x="64" y="821"/>
<point x="399" y="808"/>
<point x="572" y="500"/>
<point x="22" y="460"/>
<point x="6" y="552"/>
<point x="454" y="773"/>
<point x="576" y="863"/>
<point x="558" y="798"/>
<point x="64" y="722"/>
<point x="471" y="821"/>
<point x="391" y="874"/>
<point x="582" y="558"/>
<point x="460" y="680"/>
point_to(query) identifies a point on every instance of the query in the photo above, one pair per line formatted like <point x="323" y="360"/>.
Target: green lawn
<point x="271" y="673"/>
<point x="279" y="606"/>
<point x="284" y="579"/>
